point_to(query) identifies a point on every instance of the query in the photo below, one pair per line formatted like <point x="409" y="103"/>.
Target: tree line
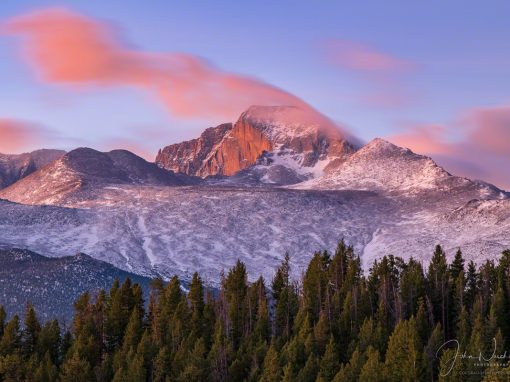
<point x="335" y="324"/>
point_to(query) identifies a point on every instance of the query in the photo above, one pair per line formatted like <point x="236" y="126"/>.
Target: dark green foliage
<point x="337" y="324"/>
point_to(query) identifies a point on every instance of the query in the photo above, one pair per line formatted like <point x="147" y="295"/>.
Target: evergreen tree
<point x="271" y="371"/>
<point x="438" y="284"/>
<point x="235" y="287"/>
<point x="196" y="301"/>
<point x="11" y="339"/>
<point x="403" y="358"/>
<point x="373" y="367"/>
<point x="329" y="364"/>
<point x="47" y="371"/>
<point x="76" y="369"/>
<point x="31" y="330"/>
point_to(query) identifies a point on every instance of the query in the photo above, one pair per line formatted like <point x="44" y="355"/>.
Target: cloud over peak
<point x="68" y="48"/>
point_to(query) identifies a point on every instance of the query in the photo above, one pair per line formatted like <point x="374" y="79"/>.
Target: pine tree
<point x="196" y="301"/>
<point x="457" y="265"/>
<point x="236" y="288"/>
<point x="271" y="371"/>
<point x="449" y="369"/>
<point x="11" y="340"/>
<point x="437" y="279"/>
<point x="309" y="372"/>
<point x="472" y="285"/>
<point x="351" y="370"/>
<point x="47" y="371"/>
<point x="197" y="368"/>
<point x="76" y="369"/>
<point x="31" y="330"/>
<point x="430" y="354"/>
<point x="403" y="358"/>
<point x="286" y="301"/>
<point x="314" y="285"/>
<point x="329" y="364"/>
<point x="412" y="287"/>
<point x="373" y="367"/>
<point x="49" y="341"/>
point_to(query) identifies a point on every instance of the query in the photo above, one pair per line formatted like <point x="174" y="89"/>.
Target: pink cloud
<point x="481" y="149"/>
<point x="68" y="48"/>
<point x="16" y="136"/>
<point x="491" y="129"/>
<point x="381" y="73"/>
<point x="364" y="58"/>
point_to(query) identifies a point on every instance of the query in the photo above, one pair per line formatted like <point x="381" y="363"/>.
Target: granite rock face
<point x="287" y="132"/>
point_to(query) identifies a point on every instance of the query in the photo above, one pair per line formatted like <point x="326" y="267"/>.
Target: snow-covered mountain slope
<point x="382" y="199"/>
<point x="15" y="167"/>
<point x="286" y="144"/>
<point x="86" y="169"/>
<point x="384" y="167"/>
<point x="167" y="230"/>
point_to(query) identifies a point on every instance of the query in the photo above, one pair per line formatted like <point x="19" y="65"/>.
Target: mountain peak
<point x="282" y="124"/>
<point x="286" y="138"/>
<point x="385" y="147"/>
<point x="381" y="165"/>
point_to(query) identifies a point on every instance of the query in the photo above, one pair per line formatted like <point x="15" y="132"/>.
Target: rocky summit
<point x="274" y="138"/>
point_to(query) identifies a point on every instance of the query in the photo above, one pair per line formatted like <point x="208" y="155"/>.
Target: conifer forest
<point x="397" y="321"/>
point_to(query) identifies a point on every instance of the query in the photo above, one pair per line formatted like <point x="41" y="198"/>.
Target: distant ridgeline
<point x="53" y="284"/>
<point x="336" y="324"/>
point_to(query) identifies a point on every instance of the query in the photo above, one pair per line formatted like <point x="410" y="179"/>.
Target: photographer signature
<point x="481" y="357"/>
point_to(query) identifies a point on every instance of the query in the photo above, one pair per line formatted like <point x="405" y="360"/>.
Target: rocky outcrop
<point x="187" y="157"/>
<point x="260" y="130"/>
<point x="17" y="166"/>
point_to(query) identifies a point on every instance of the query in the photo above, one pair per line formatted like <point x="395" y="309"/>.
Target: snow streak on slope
<point x="200" y="229"/>
<point x="167" y="230"/>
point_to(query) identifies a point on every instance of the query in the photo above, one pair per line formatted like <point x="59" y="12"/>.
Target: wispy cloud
<point x="380" y="72"/>
<point x="68" y="48"/>
<point x="16" y="136"/>
<point x="476" y="145"/>
<point x="364" y="58"/>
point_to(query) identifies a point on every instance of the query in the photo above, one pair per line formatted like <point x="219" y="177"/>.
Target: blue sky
<point x="459" y="51"/>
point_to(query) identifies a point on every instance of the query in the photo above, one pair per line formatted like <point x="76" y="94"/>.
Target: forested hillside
<point x="336" y="324"/>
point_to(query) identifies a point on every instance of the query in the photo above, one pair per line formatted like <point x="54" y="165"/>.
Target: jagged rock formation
<point x="17" y="166"/>
<point x="266" y="136"/>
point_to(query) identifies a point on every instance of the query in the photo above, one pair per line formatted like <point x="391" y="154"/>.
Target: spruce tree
<point x="76" y="369"/>
<point x="271" y="371"/>
<point x="11" y="339"/>
<point x="329" y="364"/>
<point x="403" y="358"/>
<point x="373" y="368"/>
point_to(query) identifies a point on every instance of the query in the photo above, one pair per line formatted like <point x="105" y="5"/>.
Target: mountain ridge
<point x="85" y="168"/>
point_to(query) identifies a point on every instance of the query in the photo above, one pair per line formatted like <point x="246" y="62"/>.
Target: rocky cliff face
<point x="262" y="136"/>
